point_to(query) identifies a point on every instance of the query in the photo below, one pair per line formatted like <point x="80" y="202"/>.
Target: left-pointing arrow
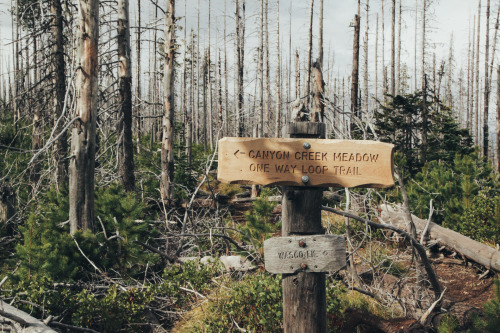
<point x="238" y="152"/>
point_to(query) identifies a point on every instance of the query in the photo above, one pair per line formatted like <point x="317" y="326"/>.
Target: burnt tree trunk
<point x="124" y="130"/>
<point x="59" y="81"/>
<point x="7" y="210"/>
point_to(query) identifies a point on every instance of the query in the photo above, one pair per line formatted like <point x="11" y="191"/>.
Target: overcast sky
<point x="447" y="17"/>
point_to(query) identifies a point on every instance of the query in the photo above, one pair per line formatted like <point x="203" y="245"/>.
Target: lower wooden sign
<point x="306" y="162"/>
<point x="317" y="253"/>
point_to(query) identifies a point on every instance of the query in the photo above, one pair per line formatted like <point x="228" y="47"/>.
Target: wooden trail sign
<point x="306" y="162"/>
<point x="318" y="253"/>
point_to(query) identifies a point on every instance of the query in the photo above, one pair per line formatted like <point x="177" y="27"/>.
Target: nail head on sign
<point x="305" y="179"/>
<point x="307" y="145"/>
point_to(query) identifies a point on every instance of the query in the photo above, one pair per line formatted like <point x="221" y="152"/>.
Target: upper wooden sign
<point x="306" y="162"/>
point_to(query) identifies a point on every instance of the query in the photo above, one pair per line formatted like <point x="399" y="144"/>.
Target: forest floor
<point x="467" y="290"/>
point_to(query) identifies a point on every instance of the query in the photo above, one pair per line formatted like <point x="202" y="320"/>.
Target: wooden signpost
<point x="303" y="164"/>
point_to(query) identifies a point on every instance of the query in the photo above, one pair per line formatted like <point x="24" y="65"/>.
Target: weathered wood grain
<point x="284" y="161"/>
<point x="301" y="209"/>
<point x="304" y="293"/>
<point x="319" y="253"/>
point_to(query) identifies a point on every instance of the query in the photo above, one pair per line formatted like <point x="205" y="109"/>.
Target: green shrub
<point x="448" y="324"/>
<point x="490" y="322"/>
<point x="481" y="220"/>
<point x="49" y="250"/>
<point x="259" y="226"/>
<point x="255" y="304"/>
<point x="451" y="187"/>
<point x="114" y="309"/>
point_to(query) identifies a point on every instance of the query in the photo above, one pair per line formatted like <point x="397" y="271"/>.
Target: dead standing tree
<point x="83" y="142"/>
<point x="124" y="130"/>
<point x="240" y="57"/>
<point x="167" y="144"/>
<point x="59" y="80"/>
<point x="355" y="72"/>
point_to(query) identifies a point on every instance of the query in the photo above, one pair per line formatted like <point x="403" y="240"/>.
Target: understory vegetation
<point x="125" y="276"/>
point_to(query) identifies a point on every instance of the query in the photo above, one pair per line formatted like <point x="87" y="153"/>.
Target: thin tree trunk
<point x="240" y="56"/>
<point x="320" y="40"/>
<point x="289" y="71"/>
<point x="309" y="54"/>
<point x="376" y="59"/>
<point x="449" y="74"/>
<point x="384" y="73"/>
<point x="209" y="61"/>
<point x="138" y="123"/>
<point x="124" y="130"/>
<point x="472" y="79"/>
<point x="167" y="145"/>
<point x="355" y="72"/>
<point x="498" y="119"/>
<point x="219" y="106"/>
<point x="486" y="84"/>
<point x="476" y="116"/>
<point x="190" y="120"/>
<point x="260" y="72"/>
<point x="469" y="69"/>
<point x="155" y="80"/>
<point x="267" y="73"/>
<point x="422" y="69"/>
<point x="83" y="142"/>
<point x="187" y="110"/>
<point x="393" y="49"/>
<point x="37" y="134"/>
<point x="278" y="73"/>
<point x="226" y="90"/>
<point x="398" y="53"/>
<point x="17" y="86"/>
<point x="297" y="75"/>
<point x="59" y="81"/>
<point x="365" y="70"/>
<point x="205" y="108"/>
<point x="415" y="46"/>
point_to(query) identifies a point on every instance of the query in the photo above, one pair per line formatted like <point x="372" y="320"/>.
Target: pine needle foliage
<point x="259" y="226"/>
<point x="49" y="250"/>
<point x="490" y="321"/>
<point x="400" y="121"/>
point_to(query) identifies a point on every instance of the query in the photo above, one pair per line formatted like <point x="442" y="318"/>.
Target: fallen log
<point x="473" y="250"/>
<point x="23" y="322"/>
